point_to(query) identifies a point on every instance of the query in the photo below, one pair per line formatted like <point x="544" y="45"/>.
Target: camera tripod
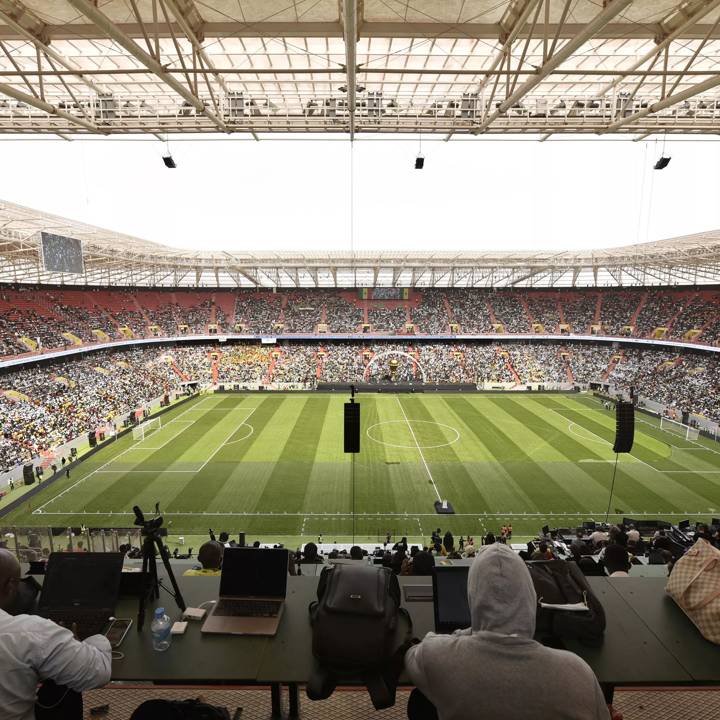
<point x="152" y="542"/>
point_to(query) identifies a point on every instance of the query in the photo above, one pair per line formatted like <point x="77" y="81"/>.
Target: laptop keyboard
<point x="247" y="608"/>
<point x="85" y="625"/>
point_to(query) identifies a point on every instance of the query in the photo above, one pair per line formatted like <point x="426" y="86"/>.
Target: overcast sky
<point x="295" y="195"/>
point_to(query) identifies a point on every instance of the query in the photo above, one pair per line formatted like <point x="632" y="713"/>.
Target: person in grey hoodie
<point x="495" y="669"/>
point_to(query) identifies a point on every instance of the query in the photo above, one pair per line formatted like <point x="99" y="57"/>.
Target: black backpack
<point x="179" y="710"/>
<point x="557" y="583"/>
<point x="359" y="631"/>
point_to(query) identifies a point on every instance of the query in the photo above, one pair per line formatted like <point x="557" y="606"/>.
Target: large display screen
<point x="384" y="293"/>
<point x="61" y="254"/>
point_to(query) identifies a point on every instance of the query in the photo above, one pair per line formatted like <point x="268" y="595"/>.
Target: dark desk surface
<point x="647" y="597"/>
<point x="647" y="641"/>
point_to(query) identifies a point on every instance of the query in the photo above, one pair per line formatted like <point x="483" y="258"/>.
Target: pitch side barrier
<point x="364" y="337"/>
<point x="74" y="463"/>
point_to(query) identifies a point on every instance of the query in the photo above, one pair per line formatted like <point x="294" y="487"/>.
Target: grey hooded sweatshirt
<point x="495" y="669"/>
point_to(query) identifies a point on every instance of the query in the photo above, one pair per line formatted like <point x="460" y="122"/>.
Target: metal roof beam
<point x="24" y="23"/>
<point x="113" y="32"/>
<point x="673" y="26"/>
<point x="667" y="102"/>
<point x="350" y="36"/>
<point x="20" y="96"/>
<point x="461" y="31"/>
<point x="614" y="8"/>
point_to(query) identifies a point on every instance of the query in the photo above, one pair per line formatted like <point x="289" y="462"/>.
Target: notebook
<point x="253" y="584"/>
<point x="81" y="589"/>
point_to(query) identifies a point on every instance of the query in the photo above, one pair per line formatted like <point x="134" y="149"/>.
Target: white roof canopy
<point x="469" y="67"/>
<point x="111" y="258"/>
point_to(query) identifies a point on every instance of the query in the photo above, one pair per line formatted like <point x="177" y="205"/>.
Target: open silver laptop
<point x="253" y="584"/>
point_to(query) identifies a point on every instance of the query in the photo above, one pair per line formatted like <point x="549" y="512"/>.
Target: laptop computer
<point x="81" y="589"/>
<point x="450" y="602"/>
<point x="253" y="584"/>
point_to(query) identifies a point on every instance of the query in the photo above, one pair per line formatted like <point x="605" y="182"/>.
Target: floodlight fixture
<point x="662" y="163"/>
<point x="169" y="162"/>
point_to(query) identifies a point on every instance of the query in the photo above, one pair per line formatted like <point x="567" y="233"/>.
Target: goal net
<point x="141" y="431"/>
<point x="677" y="428"/>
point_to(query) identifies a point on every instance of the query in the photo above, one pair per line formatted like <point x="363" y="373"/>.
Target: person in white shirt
<point x="633" y="534"/>
<point x="33" y="649"/>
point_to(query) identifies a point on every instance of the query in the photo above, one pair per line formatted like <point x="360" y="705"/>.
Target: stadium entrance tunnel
<point x="413" y="434"/>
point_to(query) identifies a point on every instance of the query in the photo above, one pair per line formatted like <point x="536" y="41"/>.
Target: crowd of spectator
<point x="50" y="405"/>
<point x="42" y="315"/>
<point x="387" y="319"/>
<point x="41" y="407"/>
<point x="302" y="313"/>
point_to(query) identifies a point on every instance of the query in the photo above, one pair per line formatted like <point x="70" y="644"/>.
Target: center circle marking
<point x="414" y="446"/>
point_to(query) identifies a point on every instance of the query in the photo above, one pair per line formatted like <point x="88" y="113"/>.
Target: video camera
<point x="149" y="527"/>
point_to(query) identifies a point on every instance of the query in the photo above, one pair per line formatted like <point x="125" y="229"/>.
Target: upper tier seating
<point x="39" y="319"/>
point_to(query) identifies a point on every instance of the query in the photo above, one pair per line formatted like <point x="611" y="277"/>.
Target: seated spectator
<point x="633" y="534"/>
<point x="616" y="561"/>
<point x="496" y="664"/>
<point x="423" y="563"/>
<point x="401" y="545"/>
<point x="489" y="539"/>
<point x="578" y="545"/>
<point x="310" y="555"/>
<point x="662" y="541"/>
<point x="598" y="538"/>
<point x="543" y="552"/>
<point x="356" y="553"/>
<point x="210" y="557"/>
<point x="398" y="559"/>
<point x="34" y="649"/>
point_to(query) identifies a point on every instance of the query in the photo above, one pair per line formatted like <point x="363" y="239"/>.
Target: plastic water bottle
<point x="160" y="627"/>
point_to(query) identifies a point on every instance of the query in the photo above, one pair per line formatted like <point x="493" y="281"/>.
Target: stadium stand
<point x="46" y="405"/>
<point x="43" y="319"/>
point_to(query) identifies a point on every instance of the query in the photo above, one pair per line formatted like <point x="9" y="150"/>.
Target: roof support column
<point x="350" y="37"/>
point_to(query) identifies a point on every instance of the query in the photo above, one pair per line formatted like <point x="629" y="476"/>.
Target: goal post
<point x="140" y="432"/>
<point x="677" y="428"/>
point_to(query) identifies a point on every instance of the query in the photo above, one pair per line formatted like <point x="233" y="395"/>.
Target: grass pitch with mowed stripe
<point x="273" y="466"/>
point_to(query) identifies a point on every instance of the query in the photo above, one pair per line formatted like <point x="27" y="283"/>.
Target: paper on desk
<point x="575" y="607"/>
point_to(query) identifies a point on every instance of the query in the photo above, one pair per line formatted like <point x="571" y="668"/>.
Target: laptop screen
<point x="254" y="572"/>
<point x="81" y="581"/>
<point x="452" y="611"/>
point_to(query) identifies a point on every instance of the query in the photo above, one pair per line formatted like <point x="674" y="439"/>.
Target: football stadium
<point x="325" y="325"/>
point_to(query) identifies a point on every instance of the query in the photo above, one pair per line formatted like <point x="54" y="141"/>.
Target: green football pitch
<point x="272" y="465"/>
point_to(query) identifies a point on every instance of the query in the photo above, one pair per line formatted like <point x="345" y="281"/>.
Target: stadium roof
<point x="111" y="258"/>
<point x="455" y="67"/>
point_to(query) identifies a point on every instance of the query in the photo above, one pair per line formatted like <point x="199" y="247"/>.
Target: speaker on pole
<point x="92" y="439"/>
<point x="624" y="427"/>
<point x="352" y="427"/>
<point x="28" y="474"/>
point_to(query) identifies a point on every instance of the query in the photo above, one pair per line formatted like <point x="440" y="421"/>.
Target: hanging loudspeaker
<point x="624" y="427"/>
<point x="352" y="427"/>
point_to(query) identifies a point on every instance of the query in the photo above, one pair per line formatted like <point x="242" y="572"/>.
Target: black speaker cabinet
<point x="624" y="427"/>
<point x="352" y="428"/>
<point x="28" y="474"/>
<point x="92" y="439"/>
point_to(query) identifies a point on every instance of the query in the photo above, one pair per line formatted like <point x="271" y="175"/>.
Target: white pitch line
<point x="102" y="467"/>
<point x="234" y="430"/>
<point x="479" y="516"/>
<point x="417" y="445"/>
